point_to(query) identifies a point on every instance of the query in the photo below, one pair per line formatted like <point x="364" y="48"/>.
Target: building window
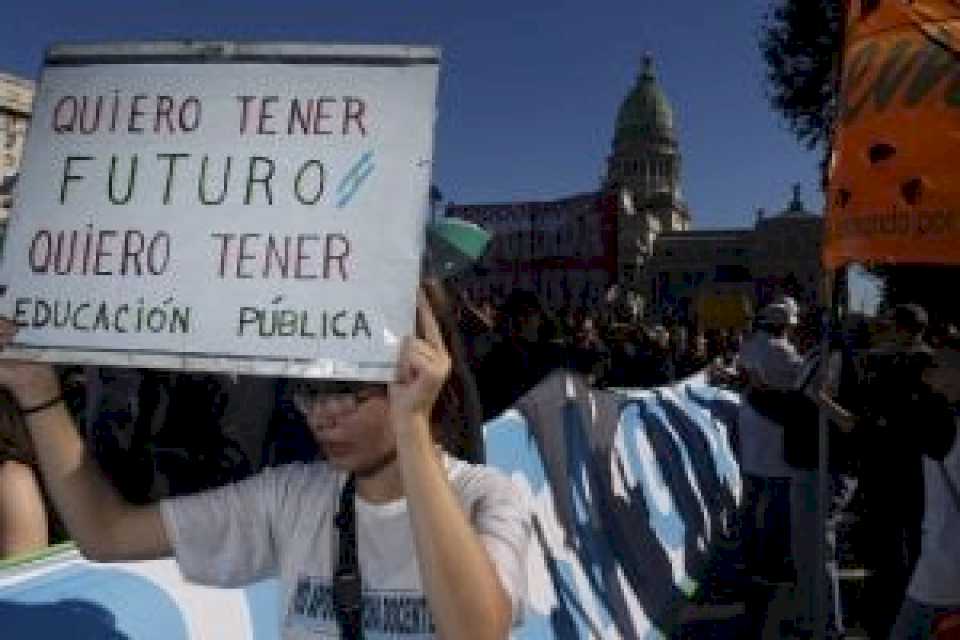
<point x="8" y="131"/>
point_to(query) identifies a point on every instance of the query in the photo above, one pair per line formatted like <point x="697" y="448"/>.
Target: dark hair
<point x="457" y="416"/>
<point x="519" y="303"/>
<point x="911" y="317"/>
<point x="776" y="329"/>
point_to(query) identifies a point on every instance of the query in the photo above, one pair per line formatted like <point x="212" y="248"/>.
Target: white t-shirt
<point x="280" y="522"/>
<point x="776" y="363"/>
<point x="936" y="578"/>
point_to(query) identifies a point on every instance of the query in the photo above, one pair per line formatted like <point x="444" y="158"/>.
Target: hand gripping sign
<point x="234" y="207"/>
<point x="894" y="196"/>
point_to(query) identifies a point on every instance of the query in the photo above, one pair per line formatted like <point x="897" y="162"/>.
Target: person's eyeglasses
<point x="339" y="396"/>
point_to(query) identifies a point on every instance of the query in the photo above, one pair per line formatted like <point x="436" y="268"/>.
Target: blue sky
<point x="530" y="88"/>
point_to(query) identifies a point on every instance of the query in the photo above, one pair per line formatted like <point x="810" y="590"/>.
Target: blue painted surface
<point x="83" y="601"/>
<point x="263" y="600"/>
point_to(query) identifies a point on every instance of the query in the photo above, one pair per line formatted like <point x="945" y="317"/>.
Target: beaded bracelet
<point x="57" y="399"/>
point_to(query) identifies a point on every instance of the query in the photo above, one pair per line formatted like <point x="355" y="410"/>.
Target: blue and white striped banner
<point x="628" y="491"/>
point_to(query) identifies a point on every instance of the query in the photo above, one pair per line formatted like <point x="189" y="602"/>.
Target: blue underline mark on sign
<point x="354" y="179"/>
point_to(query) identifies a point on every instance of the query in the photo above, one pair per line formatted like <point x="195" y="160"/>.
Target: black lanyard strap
<point x="347" y="582"/>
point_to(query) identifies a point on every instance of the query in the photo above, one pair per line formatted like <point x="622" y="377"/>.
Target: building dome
<point x="646" y="114"/>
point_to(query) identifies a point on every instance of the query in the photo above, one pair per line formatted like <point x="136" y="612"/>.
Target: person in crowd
<point x="695" y="358"/>
<point x="520" y="359"/>
<point x="415" y="525"/>
<point x="476" y="321"/>
<point x="657" y="362"/>
<point x="588" y="354"/>
<point x="900" y="419"/>
<point x="28" y="521"/>
<point x="717" y="347"/>
<point x="622" y="357"/>
<point x="157" y="433"/>
<point x="934" y="588"/>
<point x="24" y="522"/>
<point x="767" y="360"/>
<point x="679" y="342"/>
<point x="733" y="341"/>
<point x="816" y="391"/>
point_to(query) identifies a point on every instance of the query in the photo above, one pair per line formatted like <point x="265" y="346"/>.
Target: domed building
<point x="643" y="178"/>
<point x="644" y="166"/>
<point x="587" y="252"/>
<point x="627" y="250"/>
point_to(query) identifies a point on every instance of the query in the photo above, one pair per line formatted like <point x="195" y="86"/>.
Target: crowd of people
<point x="888" y="388"/>
<point x="513" y="346"/>
<point x="889" y="400"/>
<point x="165" y="455"/>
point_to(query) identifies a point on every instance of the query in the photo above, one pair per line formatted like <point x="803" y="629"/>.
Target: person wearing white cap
<point x="767" y="360"/>
<point x="793" y="309"/>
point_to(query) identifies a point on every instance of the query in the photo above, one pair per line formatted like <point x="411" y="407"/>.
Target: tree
<point x="800" y="44"/>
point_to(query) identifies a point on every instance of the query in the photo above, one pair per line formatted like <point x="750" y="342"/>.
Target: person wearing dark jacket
<point x="694" y="358"/>
<point x="590" y="356"/>
<point x="657" y="365"/>
<point x="519" y="359"/>
<point x="900" y="419"/>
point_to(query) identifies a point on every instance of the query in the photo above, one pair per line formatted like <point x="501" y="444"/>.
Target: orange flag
<point x="894" y="182"/>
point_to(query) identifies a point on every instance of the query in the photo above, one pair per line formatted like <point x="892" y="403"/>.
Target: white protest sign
<point x="248" y="208"/>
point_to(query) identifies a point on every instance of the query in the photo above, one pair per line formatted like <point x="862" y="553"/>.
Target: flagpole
<point x="833" y="282"/>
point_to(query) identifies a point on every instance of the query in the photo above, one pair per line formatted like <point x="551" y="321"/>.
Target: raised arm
<point x="104" y="526"/>
<point x="460" y="580"/>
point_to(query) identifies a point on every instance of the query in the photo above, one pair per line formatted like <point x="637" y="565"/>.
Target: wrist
<point x="36" y="409"/>
<point x="405" y="419"/>
<point x="37" y="394"/>
<point x="412" y="429"/>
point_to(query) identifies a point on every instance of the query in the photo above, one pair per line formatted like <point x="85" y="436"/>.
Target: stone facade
<point x="780" y="255"/>
<point x="16" y="99"/>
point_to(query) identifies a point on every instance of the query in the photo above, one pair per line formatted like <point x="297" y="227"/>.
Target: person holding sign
<point x="23" y="513"/>
<point x="389" y="536"/>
